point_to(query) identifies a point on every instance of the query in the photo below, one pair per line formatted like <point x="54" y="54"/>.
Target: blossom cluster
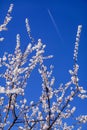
<point x="6" y="21"/>
<point x="77" y="42"/>
<point x="53" y="109"/>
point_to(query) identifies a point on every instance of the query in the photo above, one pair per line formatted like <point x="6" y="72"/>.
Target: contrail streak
<point x="55" y="25"/>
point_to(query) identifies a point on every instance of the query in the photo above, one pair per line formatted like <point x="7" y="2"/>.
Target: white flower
<point x="10" y="8"/>
<point x="73" y="110"/>
<point x="20" y="128"/>
<point x="74" y="79"/>
<point x="82" y="96"/>
<point x="27" y="25"/>
<point x="24" y="101"/>
<point x="1" y="38"/>
<point x="2" y="89"/>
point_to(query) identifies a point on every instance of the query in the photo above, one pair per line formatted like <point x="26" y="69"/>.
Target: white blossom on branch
<point x="54" y="108"/>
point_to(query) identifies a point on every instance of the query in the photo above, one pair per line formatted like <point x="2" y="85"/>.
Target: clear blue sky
<point x="58" y="35"/>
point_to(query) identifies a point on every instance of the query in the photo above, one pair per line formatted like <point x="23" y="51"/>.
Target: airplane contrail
<point x="55" y="25"/>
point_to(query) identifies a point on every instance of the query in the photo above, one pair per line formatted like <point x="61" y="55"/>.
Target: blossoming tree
<point x="53" y="108"/>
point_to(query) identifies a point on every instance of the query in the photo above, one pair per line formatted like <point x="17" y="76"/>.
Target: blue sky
<point x="58" y="35"/>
